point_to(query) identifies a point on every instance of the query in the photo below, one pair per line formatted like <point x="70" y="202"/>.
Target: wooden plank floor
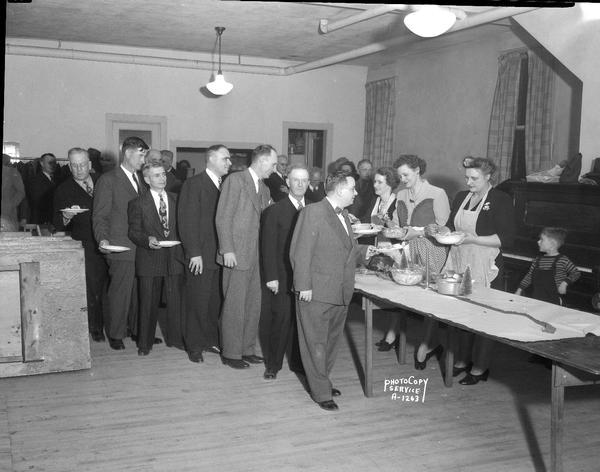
<point x="164" y="413"/>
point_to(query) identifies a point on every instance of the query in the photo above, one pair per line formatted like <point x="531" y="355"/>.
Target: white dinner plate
<point x="76" y="210"/>
<point x="386" y="250"/>
<point x="366" y="232"/>
<point x="112" y="248"/>
<point x="168" y="243"/>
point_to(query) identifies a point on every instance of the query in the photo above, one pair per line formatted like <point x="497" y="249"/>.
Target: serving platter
<point x="168" y="243"/>
<point x="111" y="248"/>
<point x="76" y="210"/>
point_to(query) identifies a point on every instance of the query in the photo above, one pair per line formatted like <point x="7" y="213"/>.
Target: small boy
<point x="158" y="259"/>
<point x="550" y="274"/>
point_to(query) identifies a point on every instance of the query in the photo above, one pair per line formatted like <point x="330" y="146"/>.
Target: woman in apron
<point x="486" y="216"/>
<point x="418" y="204"/>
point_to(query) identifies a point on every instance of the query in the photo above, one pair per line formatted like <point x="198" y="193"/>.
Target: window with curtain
<point x="521" y="122"/>
<point x="379" y="121"/>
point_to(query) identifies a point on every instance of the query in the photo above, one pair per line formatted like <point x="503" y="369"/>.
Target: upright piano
<point x="575" y="207"/>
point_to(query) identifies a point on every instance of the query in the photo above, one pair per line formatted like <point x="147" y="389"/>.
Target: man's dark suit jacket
<point x="112" y="194"/>
<point x="173" y="182"/>
<point x="275" y="184"/>
<point x="278" y="225"/>
<point x="41" y="196"/>
<point x="317" y="194"/>
<point x="70" y="193"/>
<point x="144" y="221"/>
<point x="196" y="212"/>
<point x="323" y="255"/>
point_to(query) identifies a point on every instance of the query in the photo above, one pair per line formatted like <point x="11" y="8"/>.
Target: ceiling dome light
<point x="430" y="21"/>
<point x="219" y="86"/>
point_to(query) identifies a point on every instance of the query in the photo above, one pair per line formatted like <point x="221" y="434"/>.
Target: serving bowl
<point x="407" y="276"/>
<point x="448" y="286"/>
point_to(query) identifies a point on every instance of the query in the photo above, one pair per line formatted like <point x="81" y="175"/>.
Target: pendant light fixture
<point x="219" y="86"/>
<point x="429" y="21"/>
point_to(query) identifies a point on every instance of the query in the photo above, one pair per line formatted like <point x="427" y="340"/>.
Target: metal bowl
<point x="448" y="286"/>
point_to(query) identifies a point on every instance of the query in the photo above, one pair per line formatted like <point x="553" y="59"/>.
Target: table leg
<point x="368" y="307"/>
<point x="556" y="422"/>
<point x="402" y="338"/>
<point x="449" y="357"/>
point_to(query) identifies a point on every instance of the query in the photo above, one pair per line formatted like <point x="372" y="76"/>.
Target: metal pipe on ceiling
<point x="468" y="22"/>
<point x="325" y="26"/>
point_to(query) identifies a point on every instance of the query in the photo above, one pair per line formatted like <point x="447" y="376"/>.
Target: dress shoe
<point x="437" y="352"/>
<point x="328" y="405"/>
<point x="98" y="336"/>
<point x="213" y="349"/>
<point x="380" y="342"/>
<point x="116" y="344"/>
<point x="143" y="352"/>
<point x="253" y="359"/>
<point x="157" y="341"/>
<point x="471" y="379"/>
<point x="235" y="363"/>
<point x="195" y="356"/>
<point x="270" y="374"/>
<point x="385" y="346"/>
<point x="456" y="371"/>
<point x="335" y="392"/>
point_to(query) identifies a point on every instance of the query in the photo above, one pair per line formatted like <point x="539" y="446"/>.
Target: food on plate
<point x="394" y="233"/>
<point x="449" y="238"/>
<point x="380" y="263"/>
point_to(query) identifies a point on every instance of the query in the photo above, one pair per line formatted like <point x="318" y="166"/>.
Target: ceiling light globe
<point x="430" y="21"/>
<point x="219" y="86"/>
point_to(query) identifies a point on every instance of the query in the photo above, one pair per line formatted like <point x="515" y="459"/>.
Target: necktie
<point x="162" y="212"/>
<point x="338" y="210"/>
<point x="219" y="180"/>
<point x="137" y="183"/>
<point x="300" y="206"/>
<point x="89" y="189"/>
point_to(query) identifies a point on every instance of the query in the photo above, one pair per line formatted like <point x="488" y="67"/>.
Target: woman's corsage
<point x="486" y="206"/>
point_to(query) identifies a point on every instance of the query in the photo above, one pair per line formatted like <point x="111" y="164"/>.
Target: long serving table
<point x="497" y="315"/>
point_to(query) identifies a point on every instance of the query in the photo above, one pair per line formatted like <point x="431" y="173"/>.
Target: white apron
<point x="481" y="259"/>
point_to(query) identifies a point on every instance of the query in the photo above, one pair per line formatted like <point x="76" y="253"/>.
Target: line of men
<point x="233" y="237"/>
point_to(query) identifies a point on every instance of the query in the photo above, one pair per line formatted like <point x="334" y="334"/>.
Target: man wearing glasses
<point x="113" y="192"/>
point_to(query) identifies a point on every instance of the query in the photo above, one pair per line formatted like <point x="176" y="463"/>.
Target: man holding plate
<point x="72" y="204"/>
<point x="158" y="258"/>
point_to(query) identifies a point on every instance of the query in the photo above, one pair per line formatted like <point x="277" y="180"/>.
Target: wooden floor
<point x="164" y="413"/>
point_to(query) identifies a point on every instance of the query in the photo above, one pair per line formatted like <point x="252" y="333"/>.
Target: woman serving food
<point x="483" y="218"/>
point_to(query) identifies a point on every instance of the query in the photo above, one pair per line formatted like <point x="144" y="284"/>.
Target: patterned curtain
<point x="504" y="113"/>
<point x="539" y="120"/>
<point x="379" y="121"/>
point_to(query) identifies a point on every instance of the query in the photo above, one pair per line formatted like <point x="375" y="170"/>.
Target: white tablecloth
<point x="568" y="323"/>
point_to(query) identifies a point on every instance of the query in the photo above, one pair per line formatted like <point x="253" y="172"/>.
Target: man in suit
<point x="276" y="234"/>
<point x="243" y="197"/>
<point x="364" y="188"/>
<point x="78" y="191"/>
<point x="13" y="192"/>
<point x="152" y="222"/>
<point x="276" y="181"/>
<point x="196" y="213"/>
<point x="316" y="189"/>
<point x="324" y="255"/>
<point x="173" y="183"/>
<point x="41" y="190"/>
<point x="113" y="192"/>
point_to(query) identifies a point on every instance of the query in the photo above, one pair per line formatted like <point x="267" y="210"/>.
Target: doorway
<point x="308" y="143"/>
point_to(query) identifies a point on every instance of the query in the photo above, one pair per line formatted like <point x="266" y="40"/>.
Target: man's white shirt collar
<point x="295" y="202"/>
<point x="254" y="177"/>
<point x="213" y="177"/>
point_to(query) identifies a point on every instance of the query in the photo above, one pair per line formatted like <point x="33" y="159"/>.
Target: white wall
<point x="52" y="104"/>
